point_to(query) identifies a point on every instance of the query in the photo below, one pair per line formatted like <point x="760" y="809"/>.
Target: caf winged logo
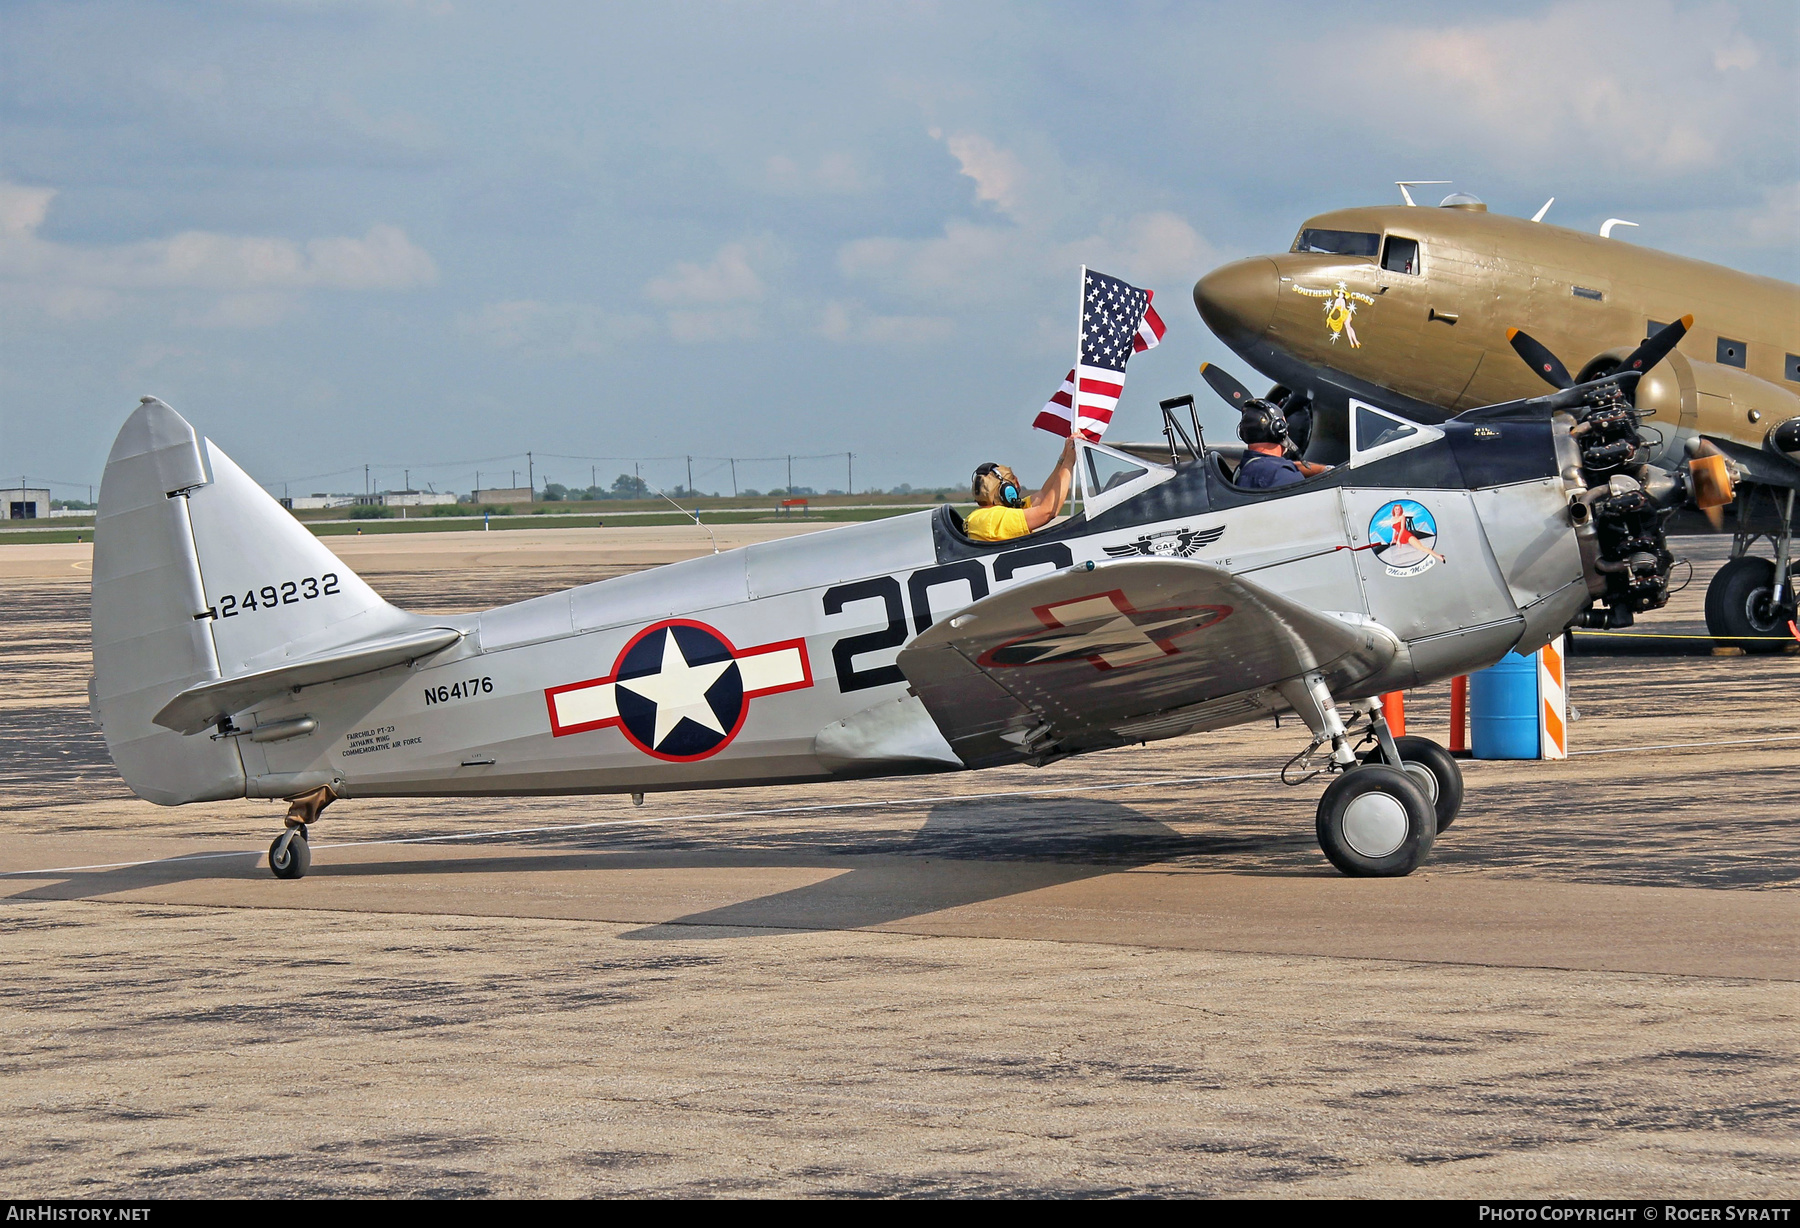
<point x="1172" y="543"/>
<point x="1340" y="306"/>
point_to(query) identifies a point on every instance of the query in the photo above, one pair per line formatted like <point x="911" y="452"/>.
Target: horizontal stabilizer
<point x="1108" y="654"/>
<point x="211" y="702"/>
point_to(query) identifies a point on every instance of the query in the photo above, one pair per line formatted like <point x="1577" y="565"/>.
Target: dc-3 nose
<point x="1237" y="300"/>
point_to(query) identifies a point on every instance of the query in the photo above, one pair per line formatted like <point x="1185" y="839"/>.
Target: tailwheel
<point x="1433" y="770"/>
<point x="1375" y="823"/>
<point x="290" y="856"/>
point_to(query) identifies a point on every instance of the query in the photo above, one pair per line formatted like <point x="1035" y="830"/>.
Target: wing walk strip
<point x="871" y="804"/>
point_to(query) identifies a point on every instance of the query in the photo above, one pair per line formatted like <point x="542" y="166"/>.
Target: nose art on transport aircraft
<point x="1237" y="300"/>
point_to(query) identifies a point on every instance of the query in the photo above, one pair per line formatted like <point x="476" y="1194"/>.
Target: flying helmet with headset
<point x="996" y="484"/>
<point x="1262" y="422"/>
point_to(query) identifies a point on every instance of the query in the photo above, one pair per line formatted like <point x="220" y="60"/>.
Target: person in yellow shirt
<point x="1003" y="514"/>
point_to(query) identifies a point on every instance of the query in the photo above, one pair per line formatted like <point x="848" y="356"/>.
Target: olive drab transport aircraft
<point x="236" y="656"/>
<point x="1429" y="311"/>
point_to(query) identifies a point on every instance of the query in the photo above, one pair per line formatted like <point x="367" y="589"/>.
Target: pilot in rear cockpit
<point x="1004" y="513"/>
<point x="1266" y="466"/>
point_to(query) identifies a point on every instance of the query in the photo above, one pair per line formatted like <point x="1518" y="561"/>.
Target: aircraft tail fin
<point x="200" y="576"/>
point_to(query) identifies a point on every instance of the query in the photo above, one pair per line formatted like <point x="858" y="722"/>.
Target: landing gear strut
<point x="1379" y="817"/>
<point x="290" y="856"/>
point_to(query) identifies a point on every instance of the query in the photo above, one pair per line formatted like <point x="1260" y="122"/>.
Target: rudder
<point x="200" y="575"/>
<point x="149" y="613"/>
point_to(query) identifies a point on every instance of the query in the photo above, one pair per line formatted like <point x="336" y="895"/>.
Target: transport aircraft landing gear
<point x="290" y="856"/>
<point x="1376" y="820"/>
<point x="1741" y="611"/>
<point x="1751" y="600"/>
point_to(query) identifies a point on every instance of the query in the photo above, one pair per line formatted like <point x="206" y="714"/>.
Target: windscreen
<point x="1105" y="472"/>
<point x="1338" y="242"/>
<point x="1374" y="429"/>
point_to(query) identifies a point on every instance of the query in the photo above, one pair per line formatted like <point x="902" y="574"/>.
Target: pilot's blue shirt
<point x="1263" y="472"/>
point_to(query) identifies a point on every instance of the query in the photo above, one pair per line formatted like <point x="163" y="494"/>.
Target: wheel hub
<point x="1763" y="616"/>
<point x="1423" y="777"/>
<point x="1375" y="824"/>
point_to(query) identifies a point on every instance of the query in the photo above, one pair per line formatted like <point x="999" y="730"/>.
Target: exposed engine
<point x="1617" y="503"/>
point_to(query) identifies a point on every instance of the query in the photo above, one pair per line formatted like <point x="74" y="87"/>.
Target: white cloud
<point x="1649" y="88"/>
<point x="719" y="300"/>
<point x="999" y="175"/>
<point x="723" y="324"/>
<point x="849" y="323"/>
<point x="534" y="329"/>
<point x="728" y="278"/>
<point x="257" y="276"/>
<point x="1745" y="235"/>
<point x="1024" y="258"/>
<point x="1152" y="249"/>
<point x="1775" y="222"/>
<point x="244" y="311"/>
<point x="831" y="174"/>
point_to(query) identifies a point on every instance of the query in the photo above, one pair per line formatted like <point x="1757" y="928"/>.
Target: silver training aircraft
<point x="235" y="655"/>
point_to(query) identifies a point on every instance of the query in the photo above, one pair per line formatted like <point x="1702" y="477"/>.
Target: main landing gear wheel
<point x="290" y="856"/>
<point x="1433" y="770"/>
<point x="1738" y="613"/>
<point x="1374" y="823"/>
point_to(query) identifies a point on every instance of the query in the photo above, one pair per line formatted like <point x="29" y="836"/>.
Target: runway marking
<point x="870" y="804"/>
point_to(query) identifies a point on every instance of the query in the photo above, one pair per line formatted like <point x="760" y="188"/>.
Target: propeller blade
<point x="1221" y="382"/>
<point x="1548" y="366"/>
<point x="1710" y="480"/>
<point x="1657" y="348"/>
<point x="1715" y="516"/>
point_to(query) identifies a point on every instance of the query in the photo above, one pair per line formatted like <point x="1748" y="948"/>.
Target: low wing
<point x="1112" y="653"/>
<point x="201" y="706"/>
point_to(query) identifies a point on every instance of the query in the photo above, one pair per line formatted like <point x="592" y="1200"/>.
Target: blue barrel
<point x="1503" y="709"/>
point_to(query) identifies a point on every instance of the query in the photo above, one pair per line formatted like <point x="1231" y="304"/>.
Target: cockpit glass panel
<point x="1338" y="242"/>
<point x="1400" y="255"/>
<point x="1106" y="471"/>
<point x="1374" y="429"/>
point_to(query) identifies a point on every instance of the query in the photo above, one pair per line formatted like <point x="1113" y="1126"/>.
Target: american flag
<point x="1117" y="321"/>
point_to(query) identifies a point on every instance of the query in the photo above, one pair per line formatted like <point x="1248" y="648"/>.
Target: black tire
<point x="1433" y="769"/>
<point x="1374" y="823"/>
<point x="1738" y="614"/>
<point x="294" y="860"/>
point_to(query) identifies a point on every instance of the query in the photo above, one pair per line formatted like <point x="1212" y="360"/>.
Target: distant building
<point x="24" y="503"/>
<point x="301" y="503"/>
<point x="516" y="494"/>
<point x="386" y="498"/>
<point x="415" y="498"/>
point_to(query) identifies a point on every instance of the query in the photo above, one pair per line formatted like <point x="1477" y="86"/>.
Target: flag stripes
<point x="1100" y="386"/>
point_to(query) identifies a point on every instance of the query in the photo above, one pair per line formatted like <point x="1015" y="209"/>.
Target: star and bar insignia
<point x="679" y="690"/>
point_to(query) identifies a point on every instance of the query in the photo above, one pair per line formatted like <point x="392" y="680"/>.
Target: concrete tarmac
<point x="1127" y="973"/>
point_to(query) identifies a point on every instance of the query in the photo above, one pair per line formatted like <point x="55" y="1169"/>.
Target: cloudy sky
<point x="434" y="235"/>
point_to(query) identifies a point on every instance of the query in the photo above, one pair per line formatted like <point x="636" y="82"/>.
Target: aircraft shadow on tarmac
<point x="875" y="873"/>
<point x="964" y="854"/>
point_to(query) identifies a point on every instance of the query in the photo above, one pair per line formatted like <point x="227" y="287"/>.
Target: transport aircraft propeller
<point x="1550" y="368"/>
<point x="1709" y="481"/>
<point x="1221" y="382"/>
